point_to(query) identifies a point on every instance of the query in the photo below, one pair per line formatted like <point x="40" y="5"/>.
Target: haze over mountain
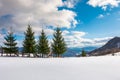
<point x="72" y="52"/>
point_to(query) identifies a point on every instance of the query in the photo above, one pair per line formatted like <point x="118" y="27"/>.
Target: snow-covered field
<point x="90" y="68"/>
<point x="115" y="54"/>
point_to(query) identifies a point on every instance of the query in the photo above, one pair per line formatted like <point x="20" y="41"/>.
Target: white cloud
<point x="49" y="31"/>
<point x="71" y="3"/>
<point x="19" y="43"/>
<point x="1" y="39"/>
<point x="100" y="16"/>
<point x="78" y="33"/>
<point x="102" y="39"/>
<point x="104" y="3"/>
<point x="38" y="13"/>
<point x="72" y="38"/>
<point x="76" y="39"/>
<point x="65" y="32"/>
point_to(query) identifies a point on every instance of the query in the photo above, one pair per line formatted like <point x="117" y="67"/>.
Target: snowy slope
<point x="91" y="68"/>
<point x="115" y="54"/>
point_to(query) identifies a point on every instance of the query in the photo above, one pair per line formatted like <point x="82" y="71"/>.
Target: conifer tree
<point x="29" y="44"/>
<point x="43" y="46"/>
<point x="10" y="44"/>
<point x="58" y="45"/>
<point x="83" y="54"/>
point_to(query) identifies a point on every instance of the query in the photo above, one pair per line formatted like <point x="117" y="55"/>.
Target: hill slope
<point x="112" y="46"/>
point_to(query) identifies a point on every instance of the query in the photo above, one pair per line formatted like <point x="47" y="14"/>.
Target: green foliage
<point x="58" y="45"/>
<point x="83" y="53"/>
<point x="43" y="46"/>
<point x="29" y="44"/>
<point x="10" y="44"/>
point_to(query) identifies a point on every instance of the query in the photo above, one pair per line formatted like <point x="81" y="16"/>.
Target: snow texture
<point x="90" y="68"/>
<point x="115" y="54"/>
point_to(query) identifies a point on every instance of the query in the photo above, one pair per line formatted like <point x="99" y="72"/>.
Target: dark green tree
<point x="83" y="54"/>
<point x="43" y="46"/>
<point x="10" y="44"/>
<point x="29" y="44"/>
<point x="1" y="50"/>
<point x="58" y="45"/>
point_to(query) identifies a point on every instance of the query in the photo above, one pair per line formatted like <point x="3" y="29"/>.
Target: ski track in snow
<point x="87" y="68"/>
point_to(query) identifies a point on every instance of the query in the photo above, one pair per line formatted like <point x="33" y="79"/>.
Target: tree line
<point x="41" y="48"/>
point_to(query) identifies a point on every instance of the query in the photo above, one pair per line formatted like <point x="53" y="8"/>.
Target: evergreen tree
<point x="1" y="50"/>
<point x="29" y="44"/>
<point x="58" y="45"/>
<point x="83" y="53"/>
<point x="43" y="46"/>
<point x="10" y="44"/>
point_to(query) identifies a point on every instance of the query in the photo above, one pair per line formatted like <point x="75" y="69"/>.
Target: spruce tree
<point x="58" y="45"/>
<point x="43" y="46"/>
<point x="10" y="44"/>
<point x="83" y="54"/>
<point x="29" y="44"/>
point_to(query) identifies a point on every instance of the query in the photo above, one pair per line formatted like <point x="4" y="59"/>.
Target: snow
<point x="115" y="54"/>
<point x="86" y="68"/>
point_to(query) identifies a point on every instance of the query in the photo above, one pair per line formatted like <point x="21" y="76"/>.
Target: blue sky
<point x="93" y="24"/>
<point x="83" y="22"/>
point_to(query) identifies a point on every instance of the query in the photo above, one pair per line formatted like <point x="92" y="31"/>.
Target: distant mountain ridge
<point x="112" y="46"/>
<point x="72" y="52"/>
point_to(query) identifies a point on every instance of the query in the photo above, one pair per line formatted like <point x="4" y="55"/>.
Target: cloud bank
<point x="76" y="39"/>
<point x="104" y="3"/>
<point x="39" y="13"/>
<point x="44" y="14"/>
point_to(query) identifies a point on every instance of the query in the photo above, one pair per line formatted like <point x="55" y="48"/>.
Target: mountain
<point x="112" y="46"/>
<point x="72" y="52"/>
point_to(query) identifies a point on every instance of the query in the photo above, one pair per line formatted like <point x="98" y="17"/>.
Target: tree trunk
<point x="6" y="54"/>
<point x="17" y="54"/>
<point x="22" y="54"/>
<point x="1" y="54"/>
<point x="28" y="54"/>
<point x="10" y="54"/>
<point x="34" y="55"/>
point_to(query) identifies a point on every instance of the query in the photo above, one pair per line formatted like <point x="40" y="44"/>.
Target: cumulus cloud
<point x="71" y="3"/>
<point x="100" y="16"/>
<point x="39" y="13"/>
<point x="104" y="3"/>
<point x="65" y="32"/>
<point x="1" y="39"/>
<point x="76" y="39"/>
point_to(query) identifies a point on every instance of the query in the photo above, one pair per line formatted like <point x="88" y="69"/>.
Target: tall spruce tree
<point x="83" y="54"/>
<point x="10" y="44"/>
<point x="29" y="44"/>
<point x="58" y="45"/>
<point x="43" y="46"/>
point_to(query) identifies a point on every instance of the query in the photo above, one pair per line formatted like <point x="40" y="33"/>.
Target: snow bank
<point x="90" y="68"/>
<point x="115" y="54"/>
